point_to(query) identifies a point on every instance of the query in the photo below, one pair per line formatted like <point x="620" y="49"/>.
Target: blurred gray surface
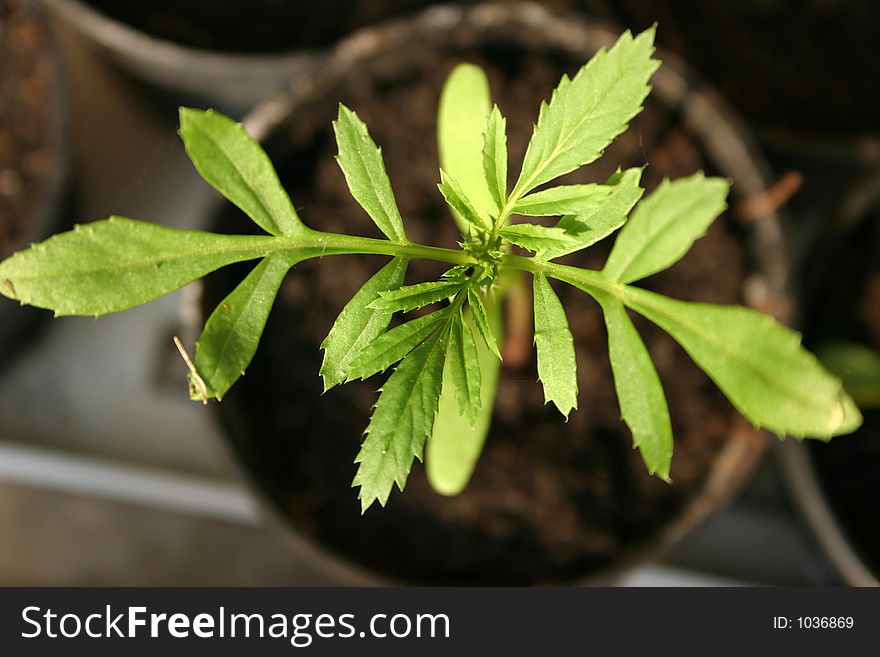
<point x="109" y="475"/>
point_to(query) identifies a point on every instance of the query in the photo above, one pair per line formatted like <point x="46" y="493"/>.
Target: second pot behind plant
<point x="33" y="146"/>
<point x="230" y="53"/>
<point x="835" y="485"/>
<point x="550" y="501"/>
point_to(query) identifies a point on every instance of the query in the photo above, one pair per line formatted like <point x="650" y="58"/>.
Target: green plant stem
<point x="319" y="244"/>
<point x="336" y="244"/>
<point x="581" y="278"/>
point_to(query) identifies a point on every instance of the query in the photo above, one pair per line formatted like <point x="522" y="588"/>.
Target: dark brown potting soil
<point x="793" y="65"/>
<point x="25" y="156"/>
<point x="549" y="500"/>
<point x="253" y="26"/>
<point x="847" y="307"/>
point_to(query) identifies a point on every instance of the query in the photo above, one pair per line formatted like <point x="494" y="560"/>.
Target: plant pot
<point x="550" y="501"/>
<point x="835" y="484"/>
<point x="228" y="54"/>
<point x="33" y="147"/>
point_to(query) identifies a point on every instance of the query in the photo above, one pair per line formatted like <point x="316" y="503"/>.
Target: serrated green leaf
<point x="455" y="273"/>
<point x="232" y="332"/>
<point x="481" y="321"/>
<point x="118" y="263"/>
<point x="458" y="201"/>
<point x="410" y="297"/>
<point x="361" y="163"/>
<point x="665" y="225"/>
<point x="495" y="157"/>
<point x="557" y="366"/>
<point x="592" y="226"/>
<point x="357" y="326"/>
<point x="639" y="391"/>
<point x="402" y="420"/>
<point x="586" y="113"/>
<point x="464" y="368"/>
<point x="461" y="120"/>
<point x="534" y="237"/>
<point x="390" y="347"/>
<point x="757" y="363"/>
<point x="563" y="200"/>
<point x="237" y="167"/>
<point x="857" y="367"/>
<point x="456" y="443"/>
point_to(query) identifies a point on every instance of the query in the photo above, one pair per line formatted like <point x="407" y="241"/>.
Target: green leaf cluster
<point x="445" y="358"/>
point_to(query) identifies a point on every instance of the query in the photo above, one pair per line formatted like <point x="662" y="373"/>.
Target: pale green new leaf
<point x="481" y="321"/>
<point x="458" y="201"/>
<point x="410" y="297"/>
<point x="361" y="163"/>
<point x="390" y="347"/>
<point x="456" y="443"/>
<point x="639" y="391"/>
<point x="665" y="225"/>
<point x="464" y="368"/>
<point x="534" y="237"/>
<point x="461" y="120"/>
<point x="563" y="200"/>
<point x="403" y="418"/>
<point x="232" y="332"/>
<point x="557" y="366"/>
<point x="759" y="365"/>
<point x="357" y="326"/>
<point x="236" y="165"/>
<point x="586" y="113"/>
<point x="495" y="157"/>
<point x="118" y="263"/>
<point x="597" y="224"/>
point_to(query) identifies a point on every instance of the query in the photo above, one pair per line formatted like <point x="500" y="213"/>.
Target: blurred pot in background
<point x="33" y="147"/>
<point x="836" y="484"/>
<point x="549" y="501"/>
<point x="805" y="69"/>
<point x="228" y="53"/>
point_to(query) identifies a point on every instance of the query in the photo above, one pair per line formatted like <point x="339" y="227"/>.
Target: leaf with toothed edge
<point x="361" y="163"/>
<point x="563" y="200"/>
<point x="402" y="420"/>
<point x="411" y="297"/>
<point x="495" y="157"/>
<point x="586" y="229"/>
<point x="232" y="332"/>
<point x="557" y="366"/>
<point x="458" y="201"/>
<point x="665" y="225"/>
<point x="119" y="263"/>
<point x="534" y="237"/>
<point x="639" y="391"/>
<point x="757" y="363"/>
<point x="588" y="111"/>
<point x="358" y="325"/>
<point x="390" y="347"/>
<point x="463" y="367"/>
<point x="237" y="167"/>
<point x="481" y="321"/>
<point x="456" y="442"/>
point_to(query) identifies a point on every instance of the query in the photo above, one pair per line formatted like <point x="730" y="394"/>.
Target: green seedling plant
<point x="437" y="401"/>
